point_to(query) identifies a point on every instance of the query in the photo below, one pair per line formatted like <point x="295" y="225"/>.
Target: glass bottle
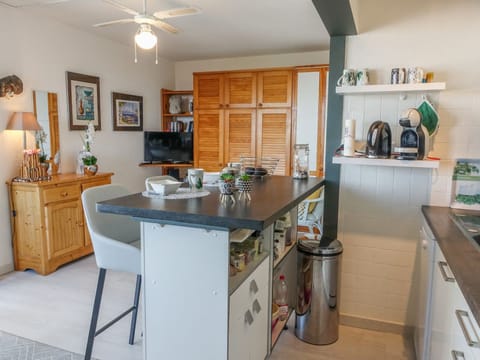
<point x="300" y="164"/>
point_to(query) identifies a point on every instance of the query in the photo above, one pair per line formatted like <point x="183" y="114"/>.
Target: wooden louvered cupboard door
<point x="208" y="139"/>
<point x="274" y="137"/>
<point x="240" y="90"/>
<point x="240" y="128"/>
<point x="274" y="88"/>
<point x="209" y="91"/>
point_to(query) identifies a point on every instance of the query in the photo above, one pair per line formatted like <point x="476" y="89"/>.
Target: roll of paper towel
<point x="349" y="138"/>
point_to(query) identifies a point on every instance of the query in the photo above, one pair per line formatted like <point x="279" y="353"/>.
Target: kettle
<point x="379" y="140"/>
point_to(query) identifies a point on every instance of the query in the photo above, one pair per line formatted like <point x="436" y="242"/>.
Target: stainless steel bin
<point x="318" y="275"/>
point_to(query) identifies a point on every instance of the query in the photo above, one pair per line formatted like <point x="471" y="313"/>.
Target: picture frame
<point x="127" y="112"/>
<point x="83" y="100"/>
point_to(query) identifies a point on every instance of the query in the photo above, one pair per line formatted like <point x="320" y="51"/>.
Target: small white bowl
<point x="211" y="177"/>
<point x="165" y="187"/>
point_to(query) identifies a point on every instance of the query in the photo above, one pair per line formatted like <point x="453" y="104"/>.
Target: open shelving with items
<point x="361" y="160"/>
<point x="177" y="106"/>
<point x="389" y="88"/>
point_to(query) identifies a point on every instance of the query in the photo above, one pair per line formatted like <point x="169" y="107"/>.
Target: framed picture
<point x="83" y="100"/>
<point x="127" y="112"/>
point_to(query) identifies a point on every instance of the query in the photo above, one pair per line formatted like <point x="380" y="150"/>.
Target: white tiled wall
<point x="379" y="215"/>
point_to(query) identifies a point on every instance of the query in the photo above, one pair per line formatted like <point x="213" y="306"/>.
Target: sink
<point x="469" y="224"/>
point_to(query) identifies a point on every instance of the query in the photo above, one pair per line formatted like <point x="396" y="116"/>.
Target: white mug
<point x="195" y="179"/>
<point x="362" y="77"/>
<point x="347" y="78"/>
<point x="415" y="75"/>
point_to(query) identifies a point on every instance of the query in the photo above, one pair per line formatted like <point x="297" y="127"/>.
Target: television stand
<point x="168" y="168"/>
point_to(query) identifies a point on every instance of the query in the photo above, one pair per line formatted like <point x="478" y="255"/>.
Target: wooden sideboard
<point x="48" y="227"/>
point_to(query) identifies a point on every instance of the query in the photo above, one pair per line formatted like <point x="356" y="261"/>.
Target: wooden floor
<point x="353" y="344"/>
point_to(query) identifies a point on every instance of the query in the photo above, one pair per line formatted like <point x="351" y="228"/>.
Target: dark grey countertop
<point x="461" y="255"/>
<point x="271" y="198"/>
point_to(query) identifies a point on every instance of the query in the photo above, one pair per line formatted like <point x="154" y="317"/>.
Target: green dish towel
<point x="430" y="117"/>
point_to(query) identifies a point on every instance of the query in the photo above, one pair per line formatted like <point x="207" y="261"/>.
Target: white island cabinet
<point x="192" y="308"/>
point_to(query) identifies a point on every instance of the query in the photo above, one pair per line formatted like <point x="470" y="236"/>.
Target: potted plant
<point x="226" y="183"/>
<point x="245" y="183"/>
<point x="90" y="166"/>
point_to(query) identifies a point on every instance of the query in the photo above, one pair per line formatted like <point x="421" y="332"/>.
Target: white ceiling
<point x="224" y="28"/>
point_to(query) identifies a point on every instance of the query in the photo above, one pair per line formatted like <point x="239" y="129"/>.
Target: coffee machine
<point x="413" y="139"/>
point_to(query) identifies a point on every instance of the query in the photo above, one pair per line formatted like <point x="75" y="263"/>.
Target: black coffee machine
<point x="379" y="140"/>
<point x="412" y="139"/>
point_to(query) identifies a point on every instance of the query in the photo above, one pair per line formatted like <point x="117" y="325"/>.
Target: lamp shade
<point x="145" y="37"/>
<point x="23" y="121"/>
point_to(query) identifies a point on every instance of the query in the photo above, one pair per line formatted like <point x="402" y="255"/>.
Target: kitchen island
<point x="192" y="308"/>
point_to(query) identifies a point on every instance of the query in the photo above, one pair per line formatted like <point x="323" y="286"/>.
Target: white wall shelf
<point x="426" y="164"/>
<point x="390" y="88"/>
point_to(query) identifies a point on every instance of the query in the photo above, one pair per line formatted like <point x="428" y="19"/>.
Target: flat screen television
<point x="168" y="147"/>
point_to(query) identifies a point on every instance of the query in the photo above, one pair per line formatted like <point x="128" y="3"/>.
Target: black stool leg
<point x="135" y="309"/>
<point x="95" y="311"/>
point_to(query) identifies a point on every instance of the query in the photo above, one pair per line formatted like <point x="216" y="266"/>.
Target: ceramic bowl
<point x="165" y="186"/>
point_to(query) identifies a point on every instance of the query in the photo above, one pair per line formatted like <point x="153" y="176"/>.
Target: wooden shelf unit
<point x="167" y="117"/>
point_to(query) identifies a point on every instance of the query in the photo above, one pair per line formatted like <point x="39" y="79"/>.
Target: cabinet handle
<point x="442" y="265"/>
<point x="260" y="104"/>
<point x="256" y="307"/>
<point x="460" y="315"/>
<point x="253" y="286"/>
<point x="458" y="355"/>
<point x="65" y="193"/>
<point x="248" y="317"/>
<point x="227" y="105"/>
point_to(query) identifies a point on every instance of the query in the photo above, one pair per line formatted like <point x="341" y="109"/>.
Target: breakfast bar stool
<point x="116" y="243"/>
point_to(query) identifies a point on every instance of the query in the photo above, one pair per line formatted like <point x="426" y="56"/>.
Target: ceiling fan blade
<point x="34" y="3"/>
<point x="114" y="22"/>
<point x="165" y="27"/>
<point x="122" y="7"/>
<point x="166" y="14"/>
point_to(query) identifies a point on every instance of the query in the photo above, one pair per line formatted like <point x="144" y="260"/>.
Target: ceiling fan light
<point x="145" y="37"/>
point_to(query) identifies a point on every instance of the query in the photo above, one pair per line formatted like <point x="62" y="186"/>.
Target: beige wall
<point x="379" y="215"/>
<point x="40" y="52"/>
<point x="185" y="69"/>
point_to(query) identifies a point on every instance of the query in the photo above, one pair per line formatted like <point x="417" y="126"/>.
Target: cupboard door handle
<point x="253" y="286"/>
<point x="442" y="265"/>
<point x="256" y="307"/>
<point x="458" y="355"/>
<point x="64" y="194"/>
<point x="260" y="104"/>
<point x="227" y="105"/>
<point x="460" y="315"/>
<point x="248" y="317"/>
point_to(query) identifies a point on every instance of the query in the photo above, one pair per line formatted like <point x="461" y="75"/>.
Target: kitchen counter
<point x="188" y="295"/>
<point x="271" y="197"/>
<point x="462" y="256"/>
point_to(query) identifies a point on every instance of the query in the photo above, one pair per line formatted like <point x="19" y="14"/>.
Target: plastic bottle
<point x="281" y="298"/>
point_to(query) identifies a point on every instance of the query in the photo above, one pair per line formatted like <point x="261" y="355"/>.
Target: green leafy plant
<point x="227" y="177"/>
<point x="89" y="160"/>
<point x="245" y="177"/>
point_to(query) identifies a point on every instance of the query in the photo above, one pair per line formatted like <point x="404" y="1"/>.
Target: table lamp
<point x="24" y="121"/>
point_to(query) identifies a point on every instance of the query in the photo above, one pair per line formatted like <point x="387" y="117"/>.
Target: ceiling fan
<point x="146" y="21"/>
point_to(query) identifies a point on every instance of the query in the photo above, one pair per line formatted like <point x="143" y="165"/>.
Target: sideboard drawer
<point x="60" y="193"/>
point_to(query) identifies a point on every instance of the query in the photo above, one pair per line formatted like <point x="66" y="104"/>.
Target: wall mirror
<point x="46" y="110"/>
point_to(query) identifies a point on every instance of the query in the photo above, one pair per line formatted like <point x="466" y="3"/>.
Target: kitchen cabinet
<point x="184" y="114"/>
<point x="248" y="324"/>
<point x="275" y="89"/>
<point x="48" y="224"/>
<point x="243" y="113"/>
<point x="455" y="332"/>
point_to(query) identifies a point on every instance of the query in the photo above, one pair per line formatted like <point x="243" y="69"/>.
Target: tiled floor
<point x="353" y="344"/>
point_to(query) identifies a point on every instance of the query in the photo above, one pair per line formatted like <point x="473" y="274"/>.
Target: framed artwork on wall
<point x="127" y="112"/>
<point x="83" y="100"/>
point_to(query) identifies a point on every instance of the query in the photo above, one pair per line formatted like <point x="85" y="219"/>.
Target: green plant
<point x="89" y="160"/>
<point x="245" y="177"/>
<point x="227" y="177"/>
